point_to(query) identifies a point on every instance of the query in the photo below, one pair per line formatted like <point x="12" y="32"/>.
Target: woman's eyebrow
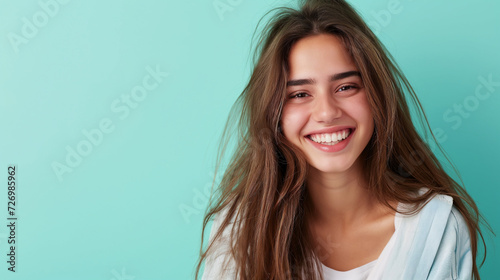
<point x="333" y="78"/>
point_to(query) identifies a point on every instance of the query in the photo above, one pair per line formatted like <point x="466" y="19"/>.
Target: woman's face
<point x="326" y="113"/>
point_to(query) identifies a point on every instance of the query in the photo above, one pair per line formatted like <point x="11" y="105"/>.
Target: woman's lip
<point x="331" y="149"/>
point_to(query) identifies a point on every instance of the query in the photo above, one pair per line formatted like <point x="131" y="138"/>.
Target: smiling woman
<point x="330" y="179"/>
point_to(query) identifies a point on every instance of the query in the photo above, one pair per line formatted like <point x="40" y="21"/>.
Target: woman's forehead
<point x="319" y="56"/>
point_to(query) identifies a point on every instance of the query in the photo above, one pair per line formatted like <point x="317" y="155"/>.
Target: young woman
<point x="330" y="179"/>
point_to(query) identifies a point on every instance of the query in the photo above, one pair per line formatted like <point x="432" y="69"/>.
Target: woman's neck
<point x="340" y="200"/>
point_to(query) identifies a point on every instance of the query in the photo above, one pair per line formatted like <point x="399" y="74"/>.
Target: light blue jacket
<point x="433" y="244"/>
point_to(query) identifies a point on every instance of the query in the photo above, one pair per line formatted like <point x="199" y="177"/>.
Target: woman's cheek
<point x="293" y="119"/>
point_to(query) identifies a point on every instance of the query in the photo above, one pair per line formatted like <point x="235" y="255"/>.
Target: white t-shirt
<point x="358" y="273"/>
<point x="362" y="272"/>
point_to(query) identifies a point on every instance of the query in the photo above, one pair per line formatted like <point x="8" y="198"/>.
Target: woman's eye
<point x="299" y="95"/>
<point x="348" y="87"/>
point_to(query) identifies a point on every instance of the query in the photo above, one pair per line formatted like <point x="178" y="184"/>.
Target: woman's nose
<point x="326" y="109"/>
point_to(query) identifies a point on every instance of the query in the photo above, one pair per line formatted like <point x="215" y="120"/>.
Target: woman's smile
<point x="330" y="138"/>
<point x="331" y="143"/>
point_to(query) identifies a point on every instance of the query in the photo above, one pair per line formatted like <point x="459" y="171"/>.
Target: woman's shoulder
<point x="441" y="224"/>
<point x="217" y="223"/>
<point x="453" y="258"/>
<point x="433" y="243"/>
<point x="441" y="204"/>
<point x="455" y="225"/>
<point x="220" y="263"/>
<point x="439" y="209"/>
<point x="437" y="204"/>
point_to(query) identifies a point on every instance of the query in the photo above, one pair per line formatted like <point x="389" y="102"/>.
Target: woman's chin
<point x="331" y="168"/>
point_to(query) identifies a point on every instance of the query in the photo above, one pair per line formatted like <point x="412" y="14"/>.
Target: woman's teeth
<point x="330" y="138"/>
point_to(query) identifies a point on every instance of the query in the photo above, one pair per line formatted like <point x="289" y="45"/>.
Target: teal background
<point x="119" y="213"/>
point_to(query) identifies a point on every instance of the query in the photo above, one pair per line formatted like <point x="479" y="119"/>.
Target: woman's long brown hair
<point x="263" y="189"/>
